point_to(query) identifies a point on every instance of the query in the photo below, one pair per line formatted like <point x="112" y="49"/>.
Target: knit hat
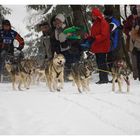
<point x="6" y="22"/>
<point x="60" y="17"/>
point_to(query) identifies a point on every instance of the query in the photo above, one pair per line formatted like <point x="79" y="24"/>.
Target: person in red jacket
<point x="100" y="32"/>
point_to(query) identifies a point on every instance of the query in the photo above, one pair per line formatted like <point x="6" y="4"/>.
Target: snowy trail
<point x="37" y="111"/>
<point x="104" y="113"/>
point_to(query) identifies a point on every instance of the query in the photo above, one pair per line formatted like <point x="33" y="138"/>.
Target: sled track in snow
<point x="137" y="117"/>
<point x="133" y="102"/>
<point x="100" y="117"/>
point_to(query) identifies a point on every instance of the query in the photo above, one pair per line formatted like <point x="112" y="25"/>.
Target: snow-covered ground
<point x="37" y="111"/>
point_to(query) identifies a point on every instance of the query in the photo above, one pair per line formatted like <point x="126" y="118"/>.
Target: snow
<point x="38" y="111"/>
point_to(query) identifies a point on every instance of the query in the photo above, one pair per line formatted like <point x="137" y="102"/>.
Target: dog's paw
<point x="51" y="90"/>
<point x="112" y="92"/>
<point x="80" y="92"/>
<point x="58" y="90"/>
<point x="20" y="89"/>
<point x="14" y="89"/>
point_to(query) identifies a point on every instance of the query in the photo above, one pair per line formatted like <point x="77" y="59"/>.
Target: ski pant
<point x="101" y="59"/>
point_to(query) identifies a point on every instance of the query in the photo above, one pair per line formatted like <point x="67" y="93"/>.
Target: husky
<point x="18" y="71"/>
<point x="32" y="65"/>
<point x="81" y="71"/>
<point x="54" y="72"/>
<point x="39" y="75"/>
<point x="120" y="71"/>
<point x="29" y="67"/>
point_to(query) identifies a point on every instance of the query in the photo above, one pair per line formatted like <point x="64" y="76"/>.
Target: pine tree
<point x="3" y="11"/>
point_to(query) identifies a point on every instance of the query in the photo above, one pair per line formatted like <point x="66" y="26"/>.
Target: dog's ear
<point x="85" y="56"/>
<point x="55" y="54"/>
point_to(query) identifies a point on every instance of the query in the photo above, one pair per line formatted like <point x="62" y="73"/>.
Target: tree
<point x="4" y="11"/>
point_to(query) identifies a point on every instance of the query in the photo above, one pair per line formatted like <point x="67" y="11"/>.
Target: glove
<point x="87" y="43"/>
<point x="86" y="35"/>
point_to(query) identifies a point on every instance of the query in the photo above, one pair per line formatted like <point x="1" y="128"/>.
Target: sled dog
<point x="120" y="71"/>
<point x="81" y="71"/>
<point x="54" y="72"/>
<point x="19" y="72"/>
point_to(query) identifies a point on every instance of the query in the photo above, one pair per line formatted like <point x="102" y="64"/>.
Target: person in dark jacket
<point x="8" y="36"/>
<point x="61" y="38"/>
<point x="131" y="22"/>
<point x="135" y="45"/>
<point x="45" y="49"/>
<point x="54" y="42"/>
<point x="115" y="37"/>
<point x="100" y="32"/>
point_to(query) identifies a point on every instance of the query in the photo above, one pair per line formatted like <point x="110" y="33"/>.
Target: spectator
<point x="131" y="22"/>
<point x="7" y="37"/>
<point x="64" y="45"/>
<point x="100" y="33"/>
<point x="54" y="43"/>
<point x="74" y="36"/>
<point x="135" y="50"/>
<point x="45" y="48"/>
<point x="115" y="37"/>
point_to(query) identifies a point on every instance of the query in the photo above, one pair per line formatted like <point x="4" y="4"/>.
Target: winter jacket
<point x="129" y="23"/>
<point x="115" y="33"/>
<point x="134" y="40"/>
<point x="62" y="39"/>
<point x="100" y="30"/>
<point x="45" y="48"/>
<point x="8" y="38"/>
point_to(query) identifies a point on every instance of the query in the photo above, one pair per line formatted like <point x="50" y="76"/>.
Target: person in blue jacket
<point x="115" y="37"/>
<point x="7" y="37"/>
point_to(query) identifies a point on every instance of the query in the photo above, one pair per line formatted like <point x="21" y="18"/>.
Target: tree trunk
<point x="115" y="9"/>
<point x="125" y="11"/>
<point x="79" y="19"/>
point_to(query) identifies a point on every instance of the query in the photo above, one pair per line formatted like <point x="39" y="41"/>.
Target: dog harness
<point x="120" y="64"/>
<point x="57" y="73"/>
